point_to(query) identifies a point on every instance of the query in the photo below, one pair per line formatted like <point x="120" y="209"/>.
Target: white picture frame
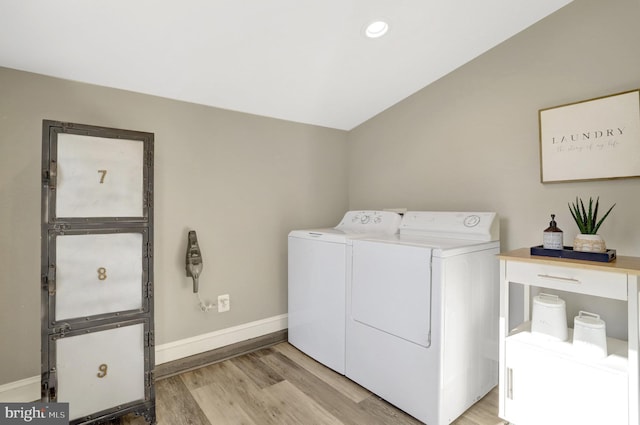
<point x="593" y="139"/>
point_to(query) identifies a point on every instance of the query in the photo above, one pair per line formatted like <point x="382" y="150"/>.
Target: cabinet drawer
<point x="101" y="370"/>
<point x="570" y="279"/>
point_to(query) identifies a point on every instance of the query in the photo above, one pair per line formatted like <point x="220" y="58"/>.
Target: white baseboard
<point x="199" y="344"/>
<point x="27" y="390"/>
<point x="22" y="391"/>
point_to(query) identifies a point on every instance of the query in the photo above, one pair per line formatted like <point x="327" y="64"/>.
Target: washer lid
<point x="325" y="235"/>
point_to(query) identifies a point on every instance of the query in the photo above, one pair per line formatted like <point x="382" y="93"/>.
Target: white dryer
<point x="422" y="313"/>
<point x="318" y="266"/>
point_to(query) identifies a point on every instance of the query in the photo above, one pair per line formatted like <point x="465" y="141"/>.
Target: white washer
<point x="423" y="311"/>
<point x="319" y="262"/>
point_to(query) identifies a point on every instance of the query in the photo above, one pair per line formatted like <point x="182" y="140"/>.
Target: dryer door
<point x="391" y="289"/>
<point x="317" y="299"/>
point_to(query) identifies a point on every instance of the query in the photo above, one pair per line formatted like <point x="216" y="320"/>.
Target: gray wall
<point x="242" y="181"/>
<point x="467" y="142"/>
<point x="470" y="140"/>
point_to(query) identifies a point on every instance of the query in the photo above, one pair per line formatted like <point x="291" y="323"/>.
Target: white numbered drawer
<point x="101" y="370"/>
<point x="98" y="274"/>
<point x="578" y="280"/>
<point x="99" y="177"/>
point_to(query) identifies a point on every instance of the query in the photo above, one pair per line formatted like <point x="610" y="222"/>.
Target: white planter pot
<point x="589" y="243"/>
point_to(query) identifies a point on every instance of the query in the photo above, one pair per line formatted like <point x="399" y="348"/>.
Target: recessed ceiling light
<point x="376" y="29"/>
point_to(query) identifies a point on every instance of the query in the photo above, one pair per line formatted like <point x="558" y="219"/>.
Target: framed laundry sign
<point x="591" y="140"/>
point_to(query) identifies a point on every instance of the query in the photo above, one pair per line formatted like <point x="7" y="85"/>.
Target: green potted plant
<point x="588" y="223"/>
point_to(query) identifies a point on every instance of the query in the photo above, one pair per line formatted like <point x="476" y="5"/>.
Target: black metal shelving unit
<point x="97" y="271"/>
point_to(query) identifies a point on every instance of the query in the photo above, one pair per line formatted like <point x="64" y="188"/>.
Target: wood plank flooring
<point x="280" y="385"/>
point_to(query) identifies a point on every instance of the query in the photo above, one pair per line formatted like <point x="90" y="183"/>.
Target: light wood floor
<point x="278" y="386"/>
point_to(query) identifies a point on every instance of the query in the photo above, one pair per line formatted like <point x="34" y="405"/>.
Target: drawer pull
<point x="510" y="383"/>
<point x="564" y="279"/>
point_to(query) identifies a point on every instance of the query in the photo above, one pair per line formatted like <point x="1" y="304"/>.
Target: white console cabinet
<point x="545" y="381"/>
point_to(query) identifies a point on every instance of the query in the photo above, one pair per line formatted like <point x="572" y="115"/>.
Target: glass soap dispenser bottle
<point x="552" y="236"/>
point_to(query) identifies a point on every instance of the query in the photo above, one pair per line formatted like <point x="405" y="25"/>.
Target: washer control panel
<point x="378" y="222"/>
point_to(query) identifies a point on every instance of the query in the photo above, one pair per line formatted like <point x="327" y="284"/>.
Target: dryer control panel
<point x="480" y="226"/>
<point x="378" y="222"/>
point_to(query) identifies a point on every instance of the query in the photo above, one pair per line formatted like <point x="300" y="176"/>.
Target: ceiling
<point x="299" y="60"/>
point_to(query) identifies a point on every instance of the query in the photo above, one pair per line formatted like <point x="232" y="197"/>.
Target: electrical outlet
<point x="224" y="303"/>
